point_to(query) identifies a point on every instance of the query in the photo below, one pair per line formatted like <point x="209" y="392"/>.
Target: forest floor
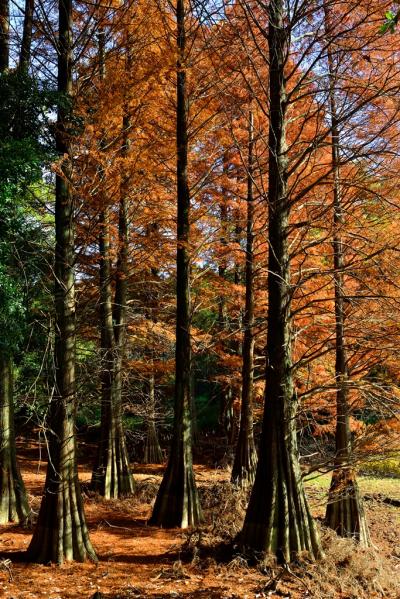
<point x="136" y="560"/>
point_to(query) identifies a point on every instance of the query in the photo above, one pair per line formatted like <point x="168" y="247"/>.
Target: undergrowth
<point x="347" y="571"/>
<point x="351" y="571"/>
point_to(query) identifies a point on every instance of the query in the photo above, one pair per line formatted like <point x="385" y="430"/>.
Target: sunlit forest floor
<point x="140" y="561"/>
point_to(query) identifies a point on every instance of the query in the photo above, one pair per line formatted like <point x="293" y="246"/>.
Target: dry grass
<point x="352" y="572"/>
<point x="224" y="508"/>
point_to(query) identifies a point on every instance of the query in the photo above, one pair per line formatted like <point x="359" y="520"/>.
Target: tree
<point x="26" y="42"/>
<point x="13" y="499"/>
<point x="177" y="502"/>
<point x="345" y="513"/>
<point x="61" y="531"/>
<point x="244" y="465"/>
<point x="4" y="35"/>
<point x="111" y="475"/>
<point x="278" y="519"/>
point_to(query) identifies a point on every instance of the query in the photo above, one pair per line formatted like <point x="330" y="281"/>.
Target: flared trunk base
<point x="61" y="533"/>
<point x="177" y="504"/>
<point x="278" y="520"/>
<point x="345" y="510"/>
<point x="13" y="501"/>
<point x="245" y="462"/>
<point x="111" y="476"/>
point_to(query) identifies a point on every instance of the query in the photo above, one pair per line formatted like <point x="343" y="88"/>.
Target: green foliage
<point x="11" y="297"/>
<point x="25" y="140"/>
<point x="207" y="413"/>
<point x="11" y="311"/>
<point x="390" y="23"/>
<point x="23" y="253"/>
<point x="132" y="422"/>
<point x="387" y="467"/>
<point x="25" y="135"/>
<point x="88" y="416"/>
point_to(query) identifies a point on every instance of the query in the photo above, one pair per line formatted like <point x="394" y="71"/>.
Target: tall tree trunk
<point x="61" y="532"/>
<point x="278" y="519"/>
<point x="4" y="35"/>
<point x="244" y="465"/>
<point x="111" y="475"/>
<point x="345" y="511"/>
<point x="25" y="53"/>
<point x="226" y="417"/>
<point x="13" y="500"/>
<point x="152" y="449"/>
<point x="177" y="502"/>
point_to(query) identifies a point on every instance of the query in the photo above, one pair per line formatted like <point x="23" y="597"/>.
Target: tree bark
<point x="278" y="519"/>
<point x="111" y="476"/>
<point x="245" y="462"/>
<point x="152" y="450"/>
<point x="177" y="503"/>
<point x="225" y="394"/>
<point x="345" y="512"/>
<point x="13" y="501"/>
<point x="25" y="52"/>
<point x="4" y="35"/>
<point x="61" y="532"/>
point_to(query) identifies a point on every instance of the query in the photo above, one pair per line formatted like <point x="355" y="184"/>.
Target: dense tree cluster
<point x="213" y="190"/>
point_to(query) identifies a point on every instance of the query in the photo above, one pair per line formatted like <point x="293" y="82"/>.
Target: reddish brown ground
<point x="140" y="561"/>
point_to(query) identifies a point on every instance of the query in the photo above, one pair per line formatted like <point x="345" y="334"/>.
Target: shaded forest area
<point x="199" y="299"/>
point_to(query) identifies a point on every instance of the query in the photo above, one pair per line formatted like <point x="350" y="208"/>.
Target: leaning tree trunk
<point x="111" y="476"/>
<point x="345" y="511"/>
<point x="245" y="462"/>
<point x="13" y="501"/>
<point x="61" y="532"/>
<point x="278" y="519"/>
<point x="177" y="502"/>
